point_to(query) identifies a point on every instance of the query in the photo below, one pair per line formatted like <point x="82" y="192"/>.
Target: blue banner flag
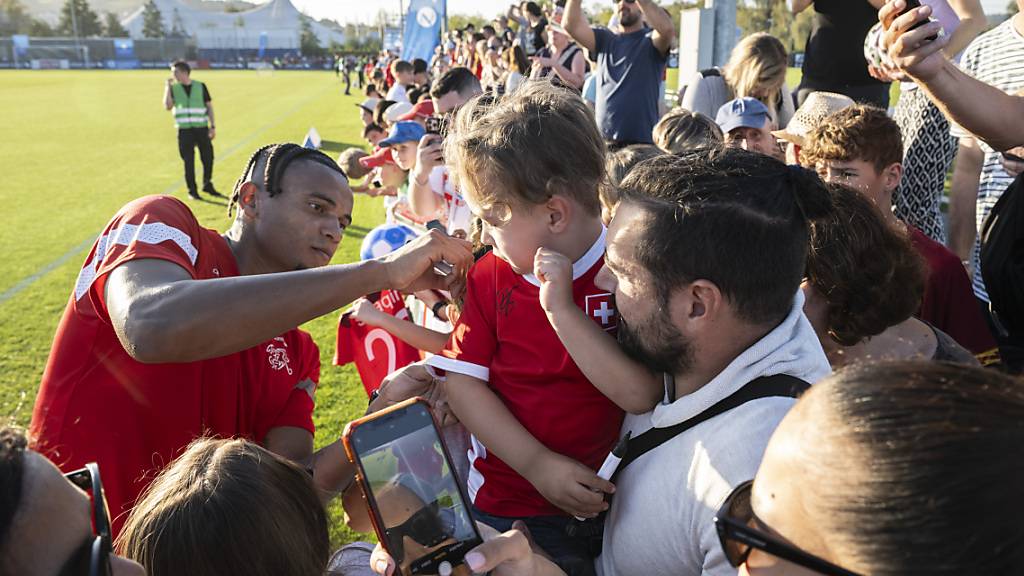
<point x="20" y="42"/>
<point x="124" y="49"/>
<point x="262" y="46"/>
<point x="423" y="28"/>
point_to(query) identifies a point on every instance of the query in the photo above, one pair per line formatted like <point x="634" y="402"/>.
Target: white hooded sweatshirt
<point x="661" y="521"/>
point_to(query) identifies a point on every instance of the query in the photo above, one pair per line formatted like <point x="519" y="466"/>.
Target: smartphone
<point x="442" y="268"/>
<point x="911" y="4"/>
<point x="418" y="506"/>
<point x="437" y="125"/>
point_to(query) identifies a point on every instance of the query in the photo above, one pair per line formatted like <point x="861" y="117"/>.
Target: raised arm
<point x="160" y="314"/>
<point x="972" y="22"/>
<point x="1000" y="122"/>
<point x="422" y="199"/>
<point x="659" y="19"/>
<point x="575" y="23"/>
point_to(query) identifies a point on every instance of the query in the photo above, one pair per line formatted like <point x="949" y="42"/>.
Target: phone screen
<point x="421" y="513"/>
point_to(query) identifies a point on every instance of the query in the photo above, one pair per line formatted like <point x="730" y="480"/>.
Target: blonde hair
<point x="524" y="148"/>
<point x="757" y="68"/>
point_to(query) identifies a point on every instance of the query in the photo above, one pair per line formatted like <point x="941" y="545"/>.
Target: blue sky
<point x="364" y="11"/>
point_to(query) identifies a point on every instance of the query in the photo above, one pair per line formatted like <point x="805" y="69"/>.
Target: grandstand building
<point x="273" y="27"/>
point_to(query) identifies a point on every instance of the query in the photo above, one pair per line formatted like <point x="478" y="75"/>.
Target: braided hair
<point x="278" y="157"/>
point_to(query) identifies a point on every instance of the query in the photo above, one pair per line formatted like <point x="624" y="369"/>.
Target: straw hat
<point x="815" y="108"/>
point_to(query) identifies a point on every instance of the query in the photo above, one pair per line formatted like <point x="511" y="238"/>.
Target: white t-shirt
<point x="661" y="520"/>
<point x="459" y="216"/>
<point x="397" y="93"/>
<point x="995" y="58"/>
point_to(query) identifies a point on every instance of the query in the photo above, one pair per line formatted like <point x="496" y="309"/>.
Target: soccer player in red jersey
<point x="530" y="166"/>
<point x="174" y="331"/>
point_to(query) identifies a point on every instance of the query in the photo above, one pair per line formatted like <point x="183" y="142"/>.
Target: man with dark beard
<point x="705" y="256"/>
<point x="630" y="63"/>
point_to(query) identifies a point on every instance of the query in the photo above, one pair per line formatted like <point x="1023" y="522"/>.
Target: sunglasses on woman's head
<point x="92" y="558"/>
<point x="737" y="535"/>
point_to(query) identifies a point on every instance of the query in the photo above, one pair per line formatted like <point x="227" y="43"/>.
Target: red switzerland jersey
<point x="375" y="351"/>
<point x="504" y="338"/>
<point x="96" y="403"/>
<point x="948" y="302"/>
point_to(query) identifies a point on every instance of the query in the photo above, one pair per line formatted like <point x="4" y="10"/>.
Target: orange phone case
<point x="364" y="488"/>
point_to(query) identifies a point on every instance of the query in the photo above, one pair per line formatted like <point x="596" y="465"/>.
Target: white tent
<point x="279" y="19"/>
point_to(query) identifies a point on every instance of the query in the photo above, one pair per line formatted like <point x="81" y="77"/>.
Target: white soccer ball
<point x="385" y="239"/>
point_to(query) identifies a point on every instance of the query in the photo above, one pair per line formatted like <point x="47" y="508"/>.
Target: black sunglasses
<point x="738" y="537"/>
<point x="93" y="557"/>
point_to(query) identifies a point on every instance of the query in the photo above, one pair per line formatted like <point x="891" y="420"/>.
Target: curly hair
<point x="867" y="271"/>
<point x="857" y="132"/>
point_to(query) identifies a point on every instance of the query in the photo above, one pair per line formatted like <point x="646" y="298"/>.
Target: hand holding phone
<point x="912" y="4"/>
<point x="418" y="506"/>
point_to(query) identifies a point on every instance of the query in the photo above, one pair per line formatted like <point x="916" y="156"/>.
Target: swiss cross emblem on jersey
<point x="601" y="309"/>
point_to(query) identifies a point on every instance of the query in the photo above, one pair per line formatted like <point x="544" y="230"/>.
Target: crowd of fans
<point x="755" y="286"/>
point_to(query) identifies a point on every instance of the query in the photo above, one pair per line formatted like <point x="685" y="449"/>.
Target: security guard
<point x="193" y="117"/>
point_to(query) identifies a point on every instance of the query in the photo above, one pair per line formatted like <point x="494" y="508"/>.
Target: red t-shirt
<point x="949" y="303"/>
<point x="96" y="403"/>
<point x="375" y="351"/>
<point x="503" y="337"/>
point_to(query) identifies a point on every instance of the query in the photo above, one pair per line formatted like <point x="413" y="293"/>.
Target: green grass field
<point x="79" y="145"/>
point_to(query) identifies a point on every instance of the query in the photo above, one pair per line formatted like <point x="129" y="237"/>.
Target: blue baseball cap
<point x="742" y="113"/>
<point x="404" y="131"/>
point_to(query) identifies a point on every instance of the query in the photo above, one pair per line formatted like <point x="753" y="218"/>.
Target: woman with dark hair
<point x="228" y="507"/>
<point x="864" y="283"/>
<point x="517" y="68"/>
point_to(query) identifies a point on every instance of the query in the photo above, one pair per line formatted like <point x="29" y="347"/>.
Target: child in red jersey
<point x="543" y="417"/>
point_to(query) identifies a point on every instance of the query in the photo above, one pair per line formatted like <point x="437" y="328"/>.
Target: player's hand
<point x="910" y="50"/>
<point x="364" y="311"/>
<point x="569" y="485"/>
<point x="554" y="271"/>
<point x="411" y="268"/>
<point x="428" y="155"/>
<point x="170" y="81"/>
<point x="213" y="133"/>
<point x="1013" y="167"/>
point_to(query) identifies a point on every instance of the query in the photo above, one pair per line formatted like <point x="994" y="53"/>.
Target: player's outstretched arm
<point x="160" y="314"/>
<point x="627" y="383"/>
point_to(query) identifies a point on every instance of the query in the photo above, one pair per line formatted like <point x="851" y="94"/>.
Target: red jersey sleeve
<point x="298" y="408"/>
<point x="473" y="341"/>
<point x="158" y="227"/>
<point x="343" y="351"/>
